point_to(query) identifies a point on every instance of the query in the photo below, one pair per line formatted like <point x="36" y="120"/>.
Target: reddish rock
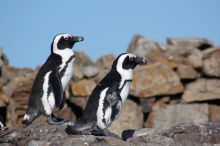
<point x="82" y="88"/>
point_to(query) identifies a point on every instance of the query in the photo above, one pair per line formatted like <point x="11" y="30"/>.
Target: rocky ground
<point x="174" y="100"/>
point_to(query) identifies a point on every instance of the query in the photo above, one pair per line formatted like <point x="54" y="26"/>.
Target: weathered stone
<point x="105" y="62"/>
<point x="3" y="58"/>
<point x="131" y="117"/>
<point x="4" y="99"/>
<point x="171" y="115"/>
<point x="194" y="59"/>
<point x="89" y="71"/>
<point x="82" y="59"/>
<point x="202" y="90"/>
<point x="199" y="43"/>
<point x="151" y="140"/>
<point x="77" y="73"/>
<point x="214" y="111"/>
<point x="155" y="79"/>
<point x="83" y="88"/>
<point x="141" y="46"/>
<point x="190" y="134"/>
<point x="186" y="72"/>
<point x="211" y="62"/>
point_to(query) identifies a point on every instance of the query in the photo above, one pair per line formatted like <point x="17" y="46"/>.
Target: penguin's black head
<point x="128" y="61"/>
<point x="64" y="41"/>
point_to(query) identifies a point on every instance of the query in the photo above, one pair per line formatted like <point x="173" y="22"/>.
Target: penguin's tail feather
<point x="28" y="118"/>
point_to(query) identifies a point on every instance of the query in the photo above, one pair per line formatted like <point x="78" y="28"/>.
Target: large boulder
<point x="166" y="117"/>
<point x="131" y="117"/>
<point x="202" y="90"/>
<point x="155" y="79"/>
<point x="211" y="62"/>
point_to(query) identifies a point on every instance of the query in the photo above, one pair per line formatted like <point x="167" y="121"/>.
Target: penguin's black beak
<point x="77" y="38"/>
<point x="141" y="60"/>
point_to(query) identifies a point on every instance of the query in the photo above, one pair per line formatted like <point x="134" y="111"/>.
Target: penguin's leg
<point x="49" y="105"/>
<point x="52" y="120"/>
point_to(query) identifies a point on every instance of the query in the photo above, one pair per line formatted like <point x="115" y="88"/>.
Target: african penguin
<point x="105" y="101"/>
<point x="52" y="79"/>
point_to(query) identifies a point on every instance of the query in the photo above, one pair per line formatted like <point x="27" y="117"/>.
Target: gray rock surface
<point x="171" y="115"/>
<point x="41" y="134"/>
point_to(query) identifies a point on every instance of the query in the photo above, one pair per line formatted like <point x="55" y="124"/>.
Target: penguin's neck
<point x="126" y="75"/>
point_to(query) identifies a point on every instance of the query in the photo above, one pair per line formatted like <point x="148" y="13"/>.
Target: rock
<point x="105" y="62"/>
<point x="82" y="59"/>
<point x="171" y="115"/>
<point x="199" y="43"/>
<point x="4" y="99"/>
<point x="195" y="134"/>
<point x="141" y="46"/>
<point x="186" y="72"/>
<point x="155" y="79"/>
<point x="3" y="58"/>
<point x="151" y="140"/>
<point x="214" y="111"/>
<point x="211" y="62"/>
<point x="77" y="73"/>
<point x="202" y="90"/>
<point x="131" y="117"/>
<point x="42" y="133"/>
<point x="90" y="71"/>
<point x="82" y="88"/>
<point x="194" y="59"/>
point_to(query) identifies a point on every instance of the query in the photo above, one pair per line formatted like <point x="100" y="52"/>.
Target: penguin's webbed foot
<point x="104" y="132"/>
<point x="52" y="120"/>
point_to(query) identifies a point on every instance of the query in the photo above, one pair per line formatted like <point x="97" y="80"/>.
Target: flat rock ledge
<point x="186" y="134"/>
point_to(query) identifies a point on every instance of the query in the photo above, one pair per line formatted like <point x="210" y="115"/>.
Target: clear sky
<point x="27" y="27"/>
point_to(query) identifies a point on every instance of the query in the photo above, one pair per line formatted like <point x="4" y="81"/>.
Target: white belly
<point x="125" y="91"/>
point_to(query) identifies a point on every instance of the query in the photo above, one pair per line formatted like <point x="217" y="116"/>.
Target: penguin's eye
<point x="131" y="58"/>
<point x="65" y="38"/>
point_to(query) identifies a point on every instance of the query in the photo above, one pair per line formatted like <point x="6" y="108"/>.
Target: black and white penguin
<point x="52" y="79"/>
<point x="105" y="101"/>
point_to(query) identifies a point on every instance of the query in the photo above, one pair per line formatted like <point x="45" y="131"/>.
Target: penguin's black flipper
<point x="57" y="88"/>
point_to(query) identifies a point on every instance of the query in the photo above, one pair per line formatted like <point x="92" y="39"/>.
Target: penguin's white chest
<point x="125" y="91"/>
<point x="68" y="72"/>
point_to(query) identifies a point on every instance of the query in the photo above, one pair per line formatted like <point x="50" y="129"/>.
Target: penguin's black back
<point x="53" y="62"/>
<point x="111" y="80"/>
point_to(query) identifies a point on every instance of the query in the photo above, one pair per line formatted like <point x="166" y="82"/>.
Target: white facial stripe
<point x="57" y="38"/>
<point x="126" y="74"/>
